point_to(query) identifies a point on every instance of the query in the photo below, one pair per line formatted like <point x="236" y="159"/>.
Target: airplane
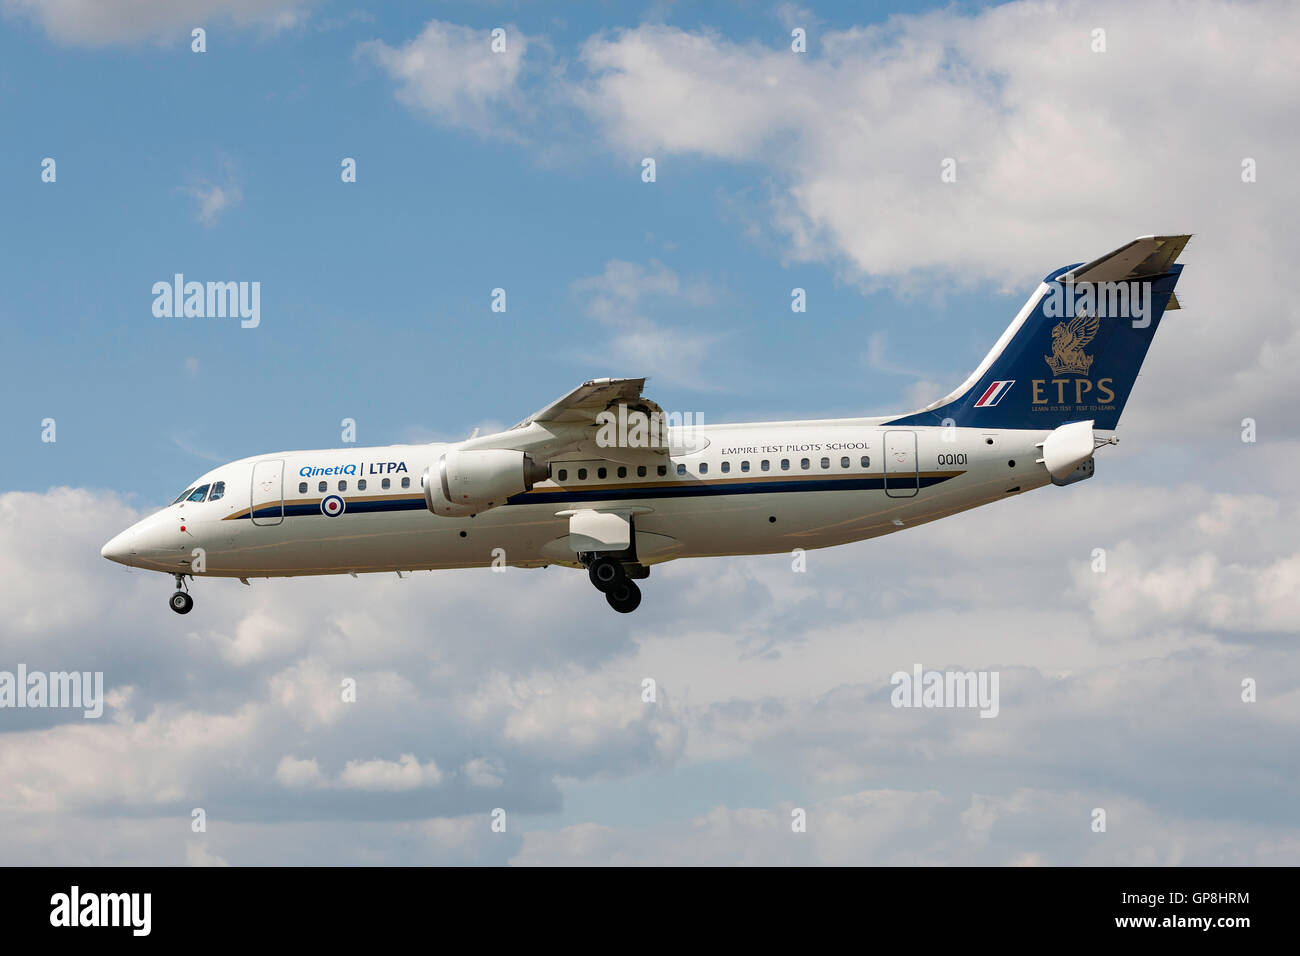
<point x="602" y="480"/>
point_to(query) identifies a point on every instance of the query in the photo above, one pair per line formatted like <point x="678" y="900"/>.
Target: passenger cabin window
<point x="302" y="487"/>
<point x="681" y="470"/>
<point x="582" y="474"/>
<point x="826" y="462"/>
<point x="866" y="462"/>
<point x="844" y="462"/>
<point x="183" y="495"/>
<point x="564" y="474"/>
<point x="361" y="484"/>
<point x="726" y="467"/>
<point x="663" y="470"/>
<point x="218" y="490"/>
<point x="323" y="487"/>
<point x="766" y="466"/>
<point x="803" y="463"/>
<point x="406" y="482"/>
<point x="622" y="472"/>
<point x="199" y="493"/>
<point x="601" y="473"/>
<point x="785" y="464"/>
<point x="704" y="468"/>
<point x="343" y="485"/>
<point x="744" y="466"/>
<point x="386" y="484"/>
<point x="640" y="471"/>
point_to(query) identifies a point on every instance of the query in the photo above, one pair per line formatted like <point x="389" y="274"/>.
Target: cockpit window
<point x="218" y="490"/>
<point x="183" y="495"/>
<point x="199" y="494"/>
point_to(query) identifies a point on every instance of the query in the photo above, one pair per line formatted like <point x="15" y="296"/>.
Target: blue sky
<point x="775" y="170"/>
<point x="375" y="295"/>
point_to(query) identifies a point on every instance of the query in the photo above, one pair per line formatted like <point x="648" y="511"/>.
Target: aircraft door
<point x="902" y="476"/>
<point x="267" y="498"/>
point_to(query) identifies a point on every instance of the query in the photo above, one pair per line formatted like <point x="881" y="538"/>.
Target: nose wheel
<point x="181" y="602"/>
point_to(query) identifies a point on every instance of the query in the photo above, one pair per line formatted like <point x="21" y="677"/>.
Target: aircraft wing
<point x="584" y="403"/>
<point x="569" y="427"/>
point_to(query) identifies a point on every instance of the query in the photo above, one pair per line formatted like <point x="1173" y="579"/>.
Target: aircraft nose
<point x="119" y="549"/>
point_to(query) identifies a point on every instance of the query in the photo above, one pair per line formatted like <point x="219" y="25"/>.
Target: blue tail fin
<point x="1074" y="351"/>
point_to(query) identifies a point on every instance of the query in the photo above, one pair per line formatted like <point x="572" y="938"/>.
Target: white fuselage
<point x="824" y="483"/>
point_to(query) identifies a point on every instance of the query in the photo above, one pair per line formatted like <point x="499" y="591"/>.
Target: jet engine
<point x="467" y="482"/>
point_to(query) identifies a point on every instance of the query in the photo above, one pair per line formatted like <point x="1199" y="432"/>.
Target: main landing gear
<point x="611" y="578"/>
<point x="624" y="598"/>
<point x="181" y="602"/>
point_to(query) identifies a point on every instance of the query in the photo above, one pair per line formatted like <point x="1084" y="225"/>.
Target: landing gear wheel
<point x="606" y="574"/>
<point x="181" y="602"/>
<point x="624" y="597"/>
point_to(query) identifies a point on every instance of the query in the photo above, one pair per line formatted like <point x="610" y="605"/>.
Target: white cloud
<point x="792" y="15"/>
<point x="1062" y="154"/>
<point x="406" y="773"/>
<point x="1147" y="591"/>
<point x="1013" y="93"/>
<point x="97" y="23"/>
<point x="451" y="73"/>
<point x="1027" y="827"/>
<point x="200" y="854"/>
<point x="484" y="772"/>
<point x="1105" y="678"/>
<point x="299" y="773"/>
<point x="212" y="199"/>
<point x="629" y="299"/>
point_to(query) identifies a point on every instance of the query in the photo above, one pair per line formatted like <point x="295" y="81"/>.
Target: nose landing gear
<point x="181" y="602"/>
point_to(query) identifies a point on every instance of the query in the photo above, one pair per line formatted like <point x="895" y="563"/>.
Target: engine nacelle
<point x="467" y="482"/>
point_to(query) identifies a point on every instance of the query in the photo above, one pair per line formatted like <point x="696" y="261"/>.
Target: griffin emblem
<point x="1067" y="356"/>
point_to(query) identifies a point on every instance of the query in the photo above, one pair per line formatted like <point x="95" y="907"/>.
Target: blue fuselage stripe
<point x="608" y="493"/>
<point x="695" y="490"/>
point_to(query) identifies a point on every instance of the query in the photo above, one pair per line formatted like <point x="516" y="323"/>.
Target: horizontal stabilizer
<point x="1139" y="259"/>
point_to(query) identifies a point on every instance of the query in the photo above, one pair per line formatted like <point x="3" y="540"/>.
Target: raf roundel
<point x="332" y="506"/>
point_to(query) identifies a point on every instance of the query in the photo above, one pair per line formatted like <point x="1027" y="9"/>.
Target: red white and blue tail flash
<point x="994" y="394"/>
